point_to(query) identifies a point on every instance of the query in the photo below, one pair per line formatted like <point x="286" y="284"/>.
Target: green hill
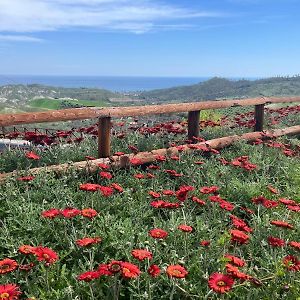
<point x="219" y="88"/>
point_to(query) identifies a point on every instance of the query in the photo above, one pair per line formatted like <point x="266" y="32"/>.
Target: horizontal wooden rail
<point x="92" y="166"/>
<point x="90" y="113"/>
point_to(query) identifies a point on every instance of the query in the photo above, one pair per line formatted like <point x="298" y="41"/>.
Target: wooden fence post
<point x="259" y="117"/>
<point x="193" y="124"/>
<point x="104" y="126"/>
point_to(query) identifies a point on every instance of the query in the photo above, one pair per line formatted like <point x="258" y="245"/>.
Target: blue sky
<point x="150" y="38"/>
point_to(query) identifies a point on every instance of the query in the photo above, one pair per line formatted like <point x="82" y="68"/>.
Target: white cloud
<point x="127" y="15"/>
<point x="18" y="38"/>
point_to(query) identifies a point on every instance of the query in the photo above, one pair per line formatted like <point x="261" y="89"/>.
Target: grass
<point x="125" y="219"/>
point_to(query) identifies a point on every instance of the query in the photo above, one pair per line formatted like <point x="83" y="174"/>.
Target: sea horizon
<point x="120" y="84"/>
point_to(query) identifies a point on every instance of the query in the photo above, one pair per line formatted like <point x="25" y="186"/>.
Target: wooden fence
<point x="105" y="114"/>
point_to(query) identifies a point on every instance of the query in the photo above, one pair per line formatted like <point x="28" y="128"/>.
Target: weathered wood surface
<point x="90" y="113"/>
<point x="193" y="124"/>
<point x="104" y="135"/>
<point x="149" y="157"/>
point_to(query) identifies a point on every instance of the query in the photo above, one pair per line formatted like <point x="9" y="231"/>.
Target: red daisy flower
<point x="88" y="241"/>
<point x="209" y="189"/>
<point x="26" y="249"/>
<point x="45" y="254"/>
<point x="154" y="195"/>
<point x="176" y="271"/>
<point x="9" y="292"/>
<point x="141" y="254"/>
<point x="168" y="192"/>
<point x="88" y="276"/>
<point x="282" y="224"/>
<point x="51" y="213"/>
<point x="197" y="200"/>
<point x="7" y="265"/>
<point x="32" y="155"/>
<point x="185" y="228"/>
<point x="292" y="263"/>
<point x="235" y="272"/>
<point x="153" y="271"/>
<point x="239" y="236"/>
<point x="70" y="212"/>
<point x="117" y="187"/>
<point x="182" y="193"/>
<point x="115" y="266"/>
<point x="295" y="245"/>
<point x="205" y="243"/>
<point x="90" y="187"/>
<point x="129" y="270"/>
<point x="158" y="233"/>
<point x="105" y="175"/>
<point x="235" y="260"/>
<point x="103" y="166"/>
<point x="220" y="283"/>
<point x="275" y="242"/>
<point x="89" y="213"/>
<point x="106" y="190"/>
<point x="103" y="269"/>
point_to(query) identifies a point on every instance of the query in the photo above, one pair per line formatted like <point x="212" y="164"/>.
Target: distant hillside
<point x="219" y="88"/>
<point x="34" y="96"/>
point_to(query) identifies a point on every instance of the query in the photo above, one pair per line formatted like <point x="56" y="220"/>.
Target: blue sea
<point x="113" y="83"/>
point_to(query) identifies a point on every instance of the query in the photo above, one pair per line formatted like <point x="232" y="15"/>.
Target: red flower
<point x="220" y="283"/>
<point x="26" y="249"/>
<point x="182" y="193"/>
<point x="176" y="271"/>
<point x="185" y="228"/>
<point x="115" y="266"/>
<point x="26" y="267"/>
<point x="158" y="233"/>
<point x="45" y="254"/>
<point x="105" y="175"/>
<point x="26" y="178"/>
<point x="103" y="166"/>
<point x="89" y="213"/>
<point x="287" y="201"/>
<point x="239" y="236"/>
<point x="160" y="158"/>
<point x="275" y="242"/>
<point x="136" y="161"/>
<point x="119" y="153"/>
<point x="235" y="260"/>
<point x="139" y="176"/>
<point x="282" y="224"/>
<point x="9" y="292"/>
<point x="168" y="192"/>
<point x="88" y="241"/>
<point x="209" y="189"/>
<point x="88" y="276"/>
<point x="154" y="194"/>
<point x="141" y="254"/>
<point x="90" y="187"/>
<point x="235" y="272"/>
<point x="70" y="212"/>
<point x="32" y="155"/>
<point x="117" y="187"/>
<point x="205" y="243"/>
<point x="197" y="200"/>
<point x="272" y="190"/>
<point x="129" y="270"/>
<point x="103" y="269"/>
<point x="295" y="245"/>
<point x="292" y="263"/>
<point x="106" y="191"/>
<point x="154" y="271"/>
<point x="51" y="213"/>
<point x="226" y="205"/>
<point x="7" y="265"/>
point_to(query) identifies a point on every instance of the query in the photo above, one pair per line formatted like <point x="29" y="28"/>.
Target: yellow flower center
<point x="4" y="296"/>
<point x="176" y="272"/>
<point x="221" y="283"/>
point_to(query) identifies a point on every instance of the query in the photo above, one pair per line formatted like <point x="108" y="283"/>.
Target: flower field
<point x="206" y="225"/>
